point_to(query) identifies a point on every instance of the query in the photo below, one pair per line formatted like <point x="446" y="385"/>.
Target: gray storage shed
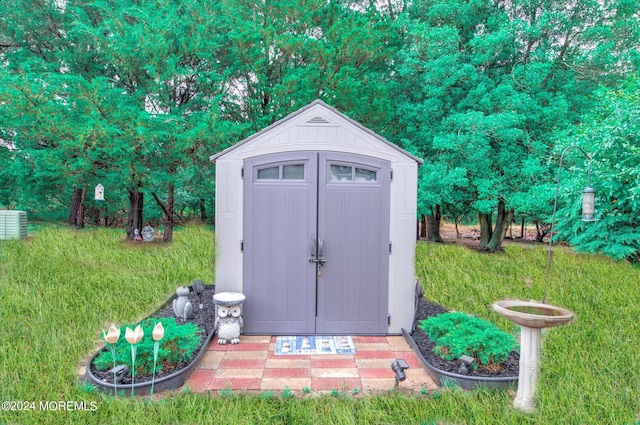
<point x="315" y="224"/>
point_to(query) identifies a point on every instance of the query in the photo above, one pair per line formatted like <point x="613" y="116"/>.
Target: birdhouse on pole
<point x="99" y="193"/>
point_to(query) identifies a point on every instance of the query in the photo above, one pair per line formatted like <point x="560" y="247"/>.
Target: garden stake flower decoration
<point x="112" y="337"/>
<point x="157" y="334"/>
<point x="133" y="337"/>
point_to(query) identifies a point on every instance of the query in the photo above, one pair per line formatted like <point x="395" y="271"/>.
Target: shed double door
<point x="316" y="244"/>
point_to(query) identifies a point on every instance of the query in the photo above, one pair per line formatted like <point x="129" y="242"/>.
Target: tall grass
<point x="591" y="368"/>
<point x="60" y="288"/>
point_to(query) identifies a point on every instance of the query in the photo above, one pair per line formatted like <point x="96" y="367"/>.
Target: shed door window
<point x="346" y="173"/>
<point x="271" y="173"/>
<point x="293" y="172"/>
<point x="362" y="174"/>
<point x="282" y="172"/>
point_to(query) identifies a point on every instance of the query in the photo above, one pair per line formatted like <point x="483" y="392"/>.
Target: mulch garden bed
<point x="204" y="319"/>
<point x="426" y="309"/>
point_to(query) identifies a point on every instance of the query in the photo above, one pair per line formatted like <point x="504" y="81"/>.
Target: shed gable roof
<point x="324" y="116"/>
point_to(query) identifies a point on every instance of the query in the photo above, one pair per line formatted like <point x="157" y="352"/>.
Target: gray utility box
<point x="13" y="224"/>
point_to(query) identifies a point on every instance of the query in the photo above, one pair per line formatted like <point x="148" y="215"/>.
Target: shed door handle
<point x="318" y="261"/>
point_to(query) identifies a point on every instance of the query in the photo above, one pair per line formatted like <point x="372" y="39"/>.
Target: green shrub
<point x="178" y="346"/>
<point x="457" y="334"/>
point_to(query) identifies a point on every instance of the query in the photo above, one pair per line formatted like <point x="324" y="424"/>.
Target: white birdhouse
<point x="99" y="193"/>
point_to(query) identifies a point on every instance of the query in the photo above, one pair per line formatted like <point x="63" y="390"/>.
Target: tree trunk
<point x="423" y="226"/>
<point x="433" y="225"/>
<point x="168" y="227"/>
<point x="203" y="210"/>
<point x="75" y="205"/>
<point x="541" y="232"/>
<point x="80" y="216"/>
<point x="136" y="206"/>
<point x="503" y="222"/>
<point x="168" y="210"/>
<point x="486" y="229"/>
<point x="76" y="213"/>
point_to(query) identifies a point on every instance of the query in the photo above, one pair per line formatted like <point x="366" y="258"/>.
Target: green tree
<point x="280" y="55"/>
<point x="611" y="134"/>
<point x="485" y="86"/>
<point x="164" y="83"/>
<point x="137" y="95"/>
<point x="113" y="92"/>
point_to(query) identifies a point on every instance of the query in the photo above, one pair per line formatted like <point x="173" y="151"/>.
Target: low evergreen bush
<point x="456" y="334"/>
<point x="178" y="346"/>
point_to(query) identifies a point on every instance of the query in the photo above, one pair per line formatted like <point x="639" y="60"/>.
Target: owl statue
<point x="228" y="324"/>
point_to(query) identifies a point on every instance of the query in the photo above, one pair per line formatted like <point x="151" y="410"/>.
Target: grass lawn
<point x="60" y="288"/>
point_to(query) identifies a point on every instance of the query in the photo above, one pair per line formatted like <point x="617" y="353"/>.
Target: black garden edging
<point x="467" y="382"/>
<point x="164" y="383"/>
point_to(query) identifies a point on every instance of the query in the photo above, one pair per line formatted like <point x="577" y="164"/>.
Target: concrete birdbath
<point x="532" y="317"/>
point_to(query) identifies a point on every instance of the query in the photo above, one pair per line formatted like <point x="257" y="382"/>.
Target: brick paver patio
<point x="253" y="366"/>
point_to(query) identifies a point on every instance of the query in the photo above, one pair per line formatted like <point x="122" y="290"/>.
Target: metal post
<point x="555" y="207"/>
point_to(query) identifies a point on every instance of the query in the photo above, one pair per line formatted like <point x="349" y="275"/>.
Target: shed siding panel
<point x="228" y="226"/>
<point x="402" y="261"/>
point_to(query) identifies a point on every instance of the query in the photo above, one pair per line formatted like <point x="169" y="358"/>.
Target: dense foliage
<point x="485" y="88"/>
<point x="137" y="95"/>
<point x="457" y="334"/>
<point x="612" y="134"/>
